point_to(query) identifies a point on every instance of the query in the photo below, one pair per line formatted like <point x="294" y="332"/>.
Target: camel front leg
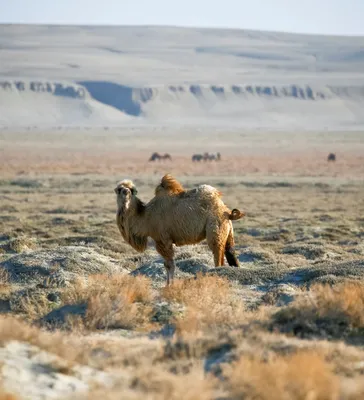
<point x="165" y="249"/>
<point x="170" y="267"/>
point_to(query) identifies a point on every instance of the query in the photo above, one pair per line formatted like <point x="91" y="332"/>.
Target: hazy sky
<point x="312" y="16"/>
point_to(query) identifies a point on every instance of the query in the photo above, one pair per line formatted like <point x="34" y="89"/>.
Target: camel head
<point x="125" y="193"/>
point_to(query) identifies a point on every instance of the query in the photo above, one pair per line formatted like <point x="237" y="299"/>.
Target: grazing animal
<point x="331" y="157"/>
<point x="209" y="157"/>
<point x="177" y="217"/>
<point x="197" y="157"/>
<point x="206" y="157"/>
<point x="159" y="157"/>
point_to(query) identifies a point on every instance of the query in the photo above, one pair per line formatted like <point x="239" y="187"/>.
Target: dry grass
<point x="158" y="384"/>
<point x="119" y="301"/>
<point x="212" y="323"/>
<point x="344" y="301"/>
<point x="5" y="286"/>
<point x="135" y="289"/>
<point x="142" y="370"/>
<point x="210" y="303"/>
<point x="301" y="376"/>
<point x="35" y="307"/>
<point x="336" y="311"/>
<point x="4" y="277"/>
<point x="56" y="343"/>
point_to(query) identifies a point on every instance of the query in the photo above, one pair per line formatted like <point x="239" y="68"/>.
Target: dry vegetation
<point x="327" y="311"/>
<point x="85" y="313"/>
<point x="302" y="375"/>
<point x="210" y="304"/>
<point x="120" y="301"/>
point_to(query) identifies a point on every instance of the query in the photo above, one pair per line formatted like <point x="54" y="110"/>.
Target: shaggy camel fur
<point x="177" y="217"/>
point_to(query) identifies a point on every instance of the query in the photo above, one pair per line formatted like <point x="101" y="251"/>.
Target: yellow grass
<point x="344" y="300"/>
<point x="35" y="308"/>
<point x="135" y="289"/>
<point x="301" y="376"/>
<point x="5" y="286"/>
<point x="120" y="301"/>
<point x="4" y="277"/>
<point x="210" y="303"/>
<point x="341" y="305"/>
<point x="56" y="343"/>
<point x="158" y="384"/>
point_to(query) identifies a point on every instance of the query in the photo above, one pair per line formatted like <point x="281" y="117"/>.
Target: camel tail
<point x="230" y="252"/>
<point x="236" y="214"/>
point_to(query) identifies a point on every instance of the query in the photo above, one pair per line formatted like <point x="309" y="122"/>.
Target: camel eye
<point x="134" y="191"/>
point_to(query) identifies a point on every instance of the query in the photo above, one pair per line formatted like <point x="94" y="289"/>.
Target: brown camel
<point x="179" y="217"/>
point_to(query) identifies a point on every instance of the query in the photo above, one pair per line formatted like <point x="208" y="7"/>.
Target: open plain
<point x="84" y="315"/>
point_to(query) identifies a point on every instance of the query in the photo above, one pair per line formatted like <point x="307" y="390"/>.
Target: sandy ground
<point x="89" y="324"/>
<point x="126" y="151"/>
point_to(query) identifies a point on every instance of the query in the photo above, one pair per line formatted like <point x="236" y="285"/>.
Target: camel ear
<point x="116" y="190"/>
<point x="134" y="191"/>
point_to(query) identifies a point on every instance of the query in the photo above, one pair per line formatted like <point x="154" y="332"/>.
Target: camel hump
<point x="171" y="185"/>
<point x="236" y="214"/>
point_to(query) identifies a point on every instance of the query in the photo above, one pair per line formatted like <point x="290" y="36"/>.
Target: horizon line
<point x="71" y="24"/>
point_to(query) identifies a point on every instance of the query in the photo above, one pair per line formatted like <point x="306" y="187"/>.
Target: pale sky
<point x="343" y="17"/>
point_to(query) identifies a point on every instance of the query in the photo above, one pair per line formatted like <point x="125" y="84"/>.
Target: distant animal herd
<point x="195" y="157"/>
<point x="210" y="157"/>
<point x="206" y="157"/>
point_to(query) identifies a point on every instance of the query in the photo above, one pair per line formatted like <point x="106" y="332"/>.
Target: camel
<point x="197" y="157"/>
<point x="209" y="157"/>
<point x="331" y="157"/>
<point x="206" y="157"/>
<point x="177" y="217"/>
<point x="157" y="156"/>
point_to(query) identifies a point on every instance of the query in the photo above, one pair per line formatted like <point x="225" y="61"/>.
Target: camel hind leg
<point x="216" y="239"/>
<point x="229" y="249"/>
<point x="222" y="260"/>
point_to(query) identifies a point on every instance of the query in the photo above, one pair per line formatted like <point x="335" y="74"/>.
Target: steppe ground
<point x="85" y="316"/>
